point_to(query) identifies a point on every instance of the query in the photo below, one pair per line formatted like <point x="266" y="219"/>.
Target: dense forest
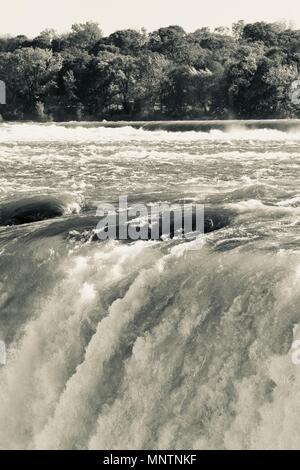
<point x="245" y="72"/>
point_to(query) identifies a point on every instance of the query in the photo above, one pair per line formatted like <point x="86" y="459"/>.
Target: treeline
<point x="245" y="72"/>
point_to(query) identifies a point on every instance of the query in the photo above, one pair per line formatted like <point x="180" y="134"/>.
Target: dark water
<point x="149" y="344"/>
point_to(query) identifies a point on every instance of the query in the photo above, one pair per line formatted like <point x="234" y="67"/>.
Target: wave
<point x="85" y="228"/>
<point x="149" y="345"/>
<point x="138" y="347"/>
<point x="35" y="209"/>
<point x="10" y="133"/>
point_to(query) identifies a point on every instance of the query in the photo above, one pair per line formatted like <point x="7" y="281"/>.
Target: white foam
<point x="48" y="133"/>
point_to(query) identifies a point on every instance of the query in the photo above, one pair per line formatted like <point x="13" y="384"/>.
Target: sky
<point x="32" y="16"/>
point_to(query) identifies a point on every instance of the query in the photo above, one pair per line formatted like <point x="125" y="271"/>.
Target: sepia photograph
<point x="149" y="229"/>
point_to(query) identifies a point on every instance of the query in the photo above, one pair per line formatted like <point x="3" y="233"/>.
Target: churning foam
<point x="16" y="132"/>
<point x="150" y="345"/>
<point x="138" y="346"/>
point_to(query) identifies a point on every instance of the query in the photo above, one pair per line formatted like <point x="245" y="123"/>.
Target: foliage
<point x="244" y="73"/>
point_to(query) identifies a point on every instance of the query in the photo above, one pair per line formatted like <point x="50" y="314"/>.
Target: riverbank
<point x="181" y="125"/>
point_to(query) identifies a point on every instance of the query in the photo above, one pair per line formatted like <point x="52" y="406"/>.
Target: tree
<point x="131" y="74"/>
<point x="268" y="33"/>
<point x="238" y="29"/>
<point x="84" y="35"/>
<point x="73" y="84"/>
<point x="128" y="41"/>
<point x="177" y="94"/>
<point x="239" y="77"/>
<point x="151" y="70"/>
<point x="259" y="84"/>
<point x="166" y="40"/>
<point x="44" y="39"/>
<point x="30" y="78"/>
<point x="8" y="44"/>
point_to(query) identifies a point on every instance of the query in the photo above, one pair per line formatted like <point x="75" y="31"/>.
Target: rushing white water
<point x="150" y="345"/>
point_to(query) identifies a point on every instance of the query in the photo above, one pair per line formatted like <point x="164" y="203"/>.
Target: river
<point x="149" y="345"/>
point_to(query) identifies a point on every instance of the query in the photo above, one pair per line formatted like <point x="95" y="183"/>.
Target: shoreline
<point x="177" y="125"/>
